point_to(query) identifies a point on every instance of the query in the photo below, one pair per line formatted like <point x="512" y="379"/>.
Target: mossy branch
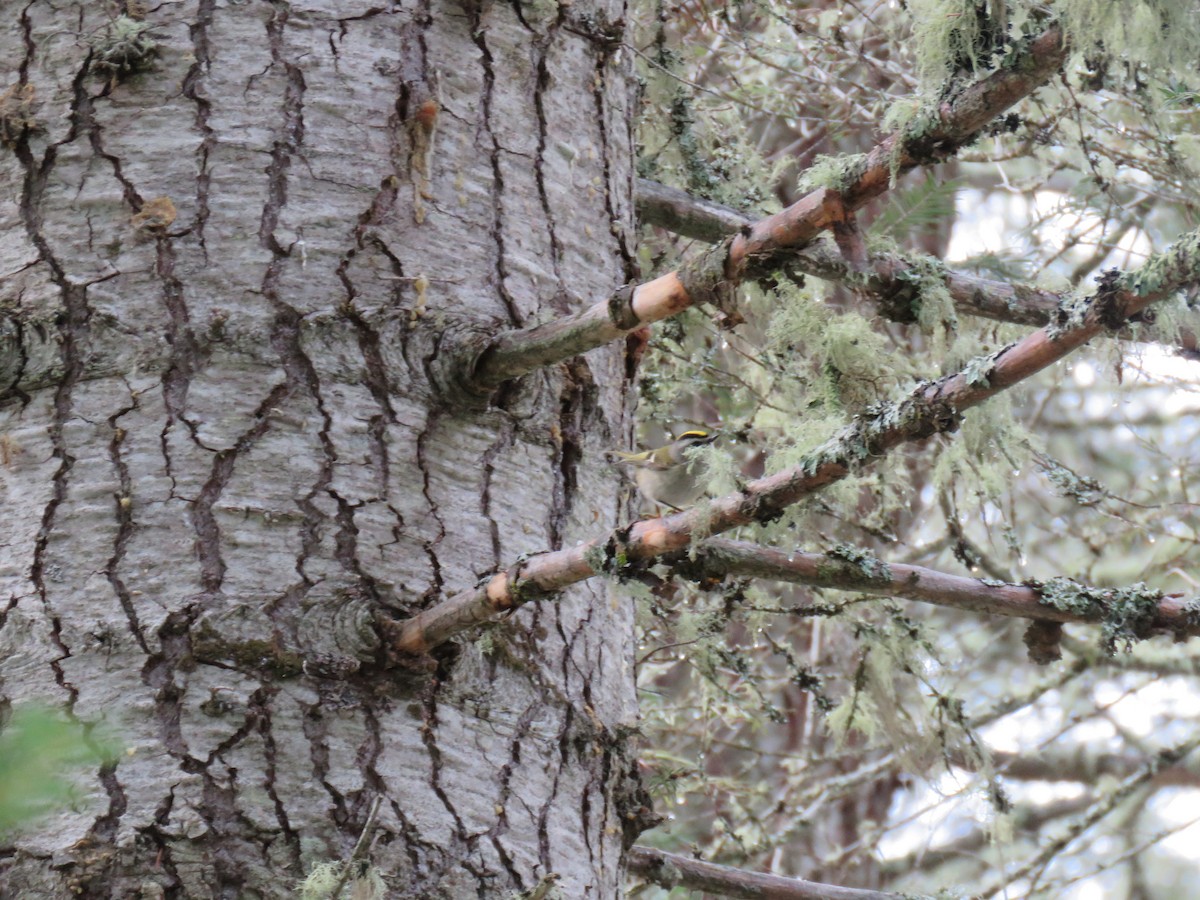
<point x="931" y="408"/>
<point x="763" y="247"/>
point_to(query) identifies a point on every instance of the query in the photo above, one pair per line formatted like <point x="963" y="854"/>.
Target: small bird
<point x="663" y="475"/>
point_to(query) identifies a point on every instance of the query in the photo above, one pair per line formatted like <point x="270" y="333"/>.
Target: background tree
<point x="295" y="299"/>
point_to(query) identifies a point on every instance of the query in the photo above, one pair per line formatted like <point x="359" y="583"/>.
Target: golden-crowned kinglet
<point x="663" y="475"/>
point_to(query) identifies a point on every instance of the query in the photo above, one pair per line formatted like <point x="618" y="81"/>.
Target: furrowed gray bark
<point x="225" y="278"/>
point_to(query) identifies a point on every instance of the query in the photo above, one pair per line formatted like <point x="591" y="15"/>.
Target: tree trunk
<point x="228" y="265"/>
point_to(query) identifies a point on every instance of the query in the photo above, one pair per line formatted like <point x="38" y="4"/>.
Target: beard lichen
<point x="838" y="173"/>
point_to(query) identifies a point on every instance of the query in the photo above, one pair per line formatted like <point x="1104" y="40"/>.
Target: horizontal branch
<point x="672" y="870"/>
<point x="684" y="214"/>
<point x="931" y="408"/>
<point x="888" y="278"/>
<point x="1025" y="820"/>
<point x="762" y="247"/>
<point x="1085" y="765"/>
<point x="857" y="571"/>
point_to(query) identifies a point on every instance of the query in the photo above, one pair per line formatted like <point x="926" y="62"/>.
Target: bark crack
<point x="193" y="89"/>
<point x="369" y="345"/>
<point x="316" y="733"/>
<point x="504" y="440"/>
<point x="543" y="818"/>
<point x="125" y="524"/>
<point x="261" y="710"/>
<point x="208" y="533"/>
<point x="479" y="36"/>
<point x="541" y="47"/>
<point x="73" y="328"/>
<point x="428" y="728"/>
<point x="524" y="724"/>
<point x="430" y="546"/>
<point x="615" y="225"/>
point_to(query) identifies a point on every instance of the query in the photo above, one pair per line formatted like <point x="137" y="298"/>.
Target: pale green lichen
<point x="1070" y="314"/>
<point x="978" y="371"/>
<point x="1174" y="268"/>
<point x="123" y="47"/>
<point x="1126" y="615"/>
<point x="596" y="558"/>
<point x="846" y="561"/>
<point x="923" y="297"/>
<point x="1082" y="489"/>
<point x="843" y="352"/>
<point x="1152" y="33"/>
<point x="947" y="36"/>
<point x="330" y="880"/>
<point x="837" y="173"/>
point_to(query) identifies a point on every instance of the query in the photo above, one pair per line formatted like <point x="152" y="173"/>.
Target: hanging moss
<point x="837" y="173"/>
<point x="946" y="36"/>
<point x="1153" y="33"/>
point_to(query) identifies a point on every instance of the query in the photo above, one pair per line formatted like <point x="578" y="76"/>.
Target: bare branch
<point x="931" y="408"/>
<point x="769" y="242"/>
<point x="681" y="213"/>
<point x="672" y="870"/>
<point x="1025" y="819"/>
<point x="1082" y="764"/>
